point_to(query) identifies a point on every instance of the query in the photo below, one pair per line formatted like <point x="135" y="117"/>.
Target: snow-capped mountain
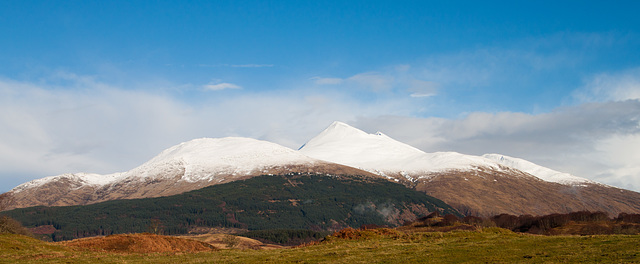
<point x="197" y="160"/>
<point x="378" y="153"/>
<point x="482" y="185"/>
<point x="474" y="185"/>
<point x="188" y="166"/>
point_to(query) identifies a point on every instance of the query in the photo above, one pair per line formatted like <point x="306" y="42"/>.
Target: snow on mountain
<point x="206" y="157"/>
<point x="80" y="179"/>
<point x="378" y="153"/>
<point x="199" y="160"/>
<point x="543" y="173"/>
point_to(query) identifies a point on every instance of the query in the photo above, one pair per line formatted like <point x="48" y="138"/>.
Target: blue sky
<point x="102" y="86"/>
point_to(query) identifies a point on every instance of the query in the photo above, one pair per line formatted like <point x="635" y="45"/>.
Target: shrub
<point x="450" y="219"/>
<point x="472" y="220"/>
<point x="586" y="216"/>
<point x="506" y="221"/>
<point x="628" y="218"/>
<point x="10" y="226"/>
<point x="230" y="241"/>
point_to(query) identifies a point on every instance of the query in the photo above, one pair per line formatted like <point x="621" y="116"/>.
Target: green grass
<point x="492" y="245"/>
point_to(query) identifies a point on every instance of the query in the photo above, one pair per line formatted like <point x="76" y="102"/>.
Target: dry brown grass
<point x="139" y="243"/>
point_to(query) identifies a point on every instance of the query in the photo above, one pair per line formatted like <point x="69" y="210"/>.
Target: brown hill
<point x="488" y="192"/>
<point x="139" y="243"/>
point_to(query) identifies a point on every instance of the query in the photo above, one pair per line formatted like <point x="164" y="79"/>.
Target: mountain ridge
<point x="479" y="185"/>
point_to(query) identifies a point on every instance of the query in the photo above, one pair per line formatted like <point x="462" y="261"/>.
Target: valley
<point x="492" y="245"/>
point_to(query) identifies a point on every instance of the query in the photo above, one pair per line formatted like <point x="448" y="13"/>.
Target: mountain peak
<point x="341" y="129"/>
<point x="336" y="132"/>
<point x="344" y="144"/>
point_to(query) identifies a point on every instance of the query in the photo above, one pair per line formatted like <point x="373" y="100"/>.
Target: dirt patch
<point x="140" y="243"/>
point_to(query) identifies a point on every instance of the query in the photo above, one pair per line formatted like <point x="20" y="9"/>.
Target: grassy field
<point x="491" y="245"/>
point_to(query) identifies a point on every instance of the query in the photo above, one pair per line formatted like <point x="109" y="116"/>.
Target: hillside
<point x="292" y="201"/>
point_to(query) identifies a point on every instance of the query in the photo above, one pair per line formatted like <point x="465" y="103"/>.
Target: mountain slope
<point x="295" y="200"/>
<point x="188" y="166"/>
<point x="485" y="186"/>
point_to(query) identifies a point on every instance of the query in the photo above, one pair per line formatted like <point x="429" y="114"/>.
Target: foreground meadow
<point x="490" y="245"/>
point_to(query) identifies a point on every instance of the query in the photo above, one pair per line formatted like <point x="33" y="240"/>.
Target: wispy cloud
<point x="221" y="86"/>
<point x="374" y="81"/>
<point x="327" y="81"/>
<point x="395" y="81"/>
<point x="617" y="86"/>
<point x="251" y="65"/>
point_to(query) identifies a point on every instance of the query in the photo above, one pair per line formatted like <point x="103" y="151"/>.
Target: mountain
<point x="475" y="185"/>
<point x="188" y="166"/>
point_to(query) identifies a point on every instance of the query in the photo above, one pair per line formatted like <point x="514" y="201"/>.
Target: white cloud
<point x="611" y="86"/>
<point x="221" y="86"/>
<point x="418" y="95"/>
<point x="620" y="153"/>
<point x="419" y="88"/>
